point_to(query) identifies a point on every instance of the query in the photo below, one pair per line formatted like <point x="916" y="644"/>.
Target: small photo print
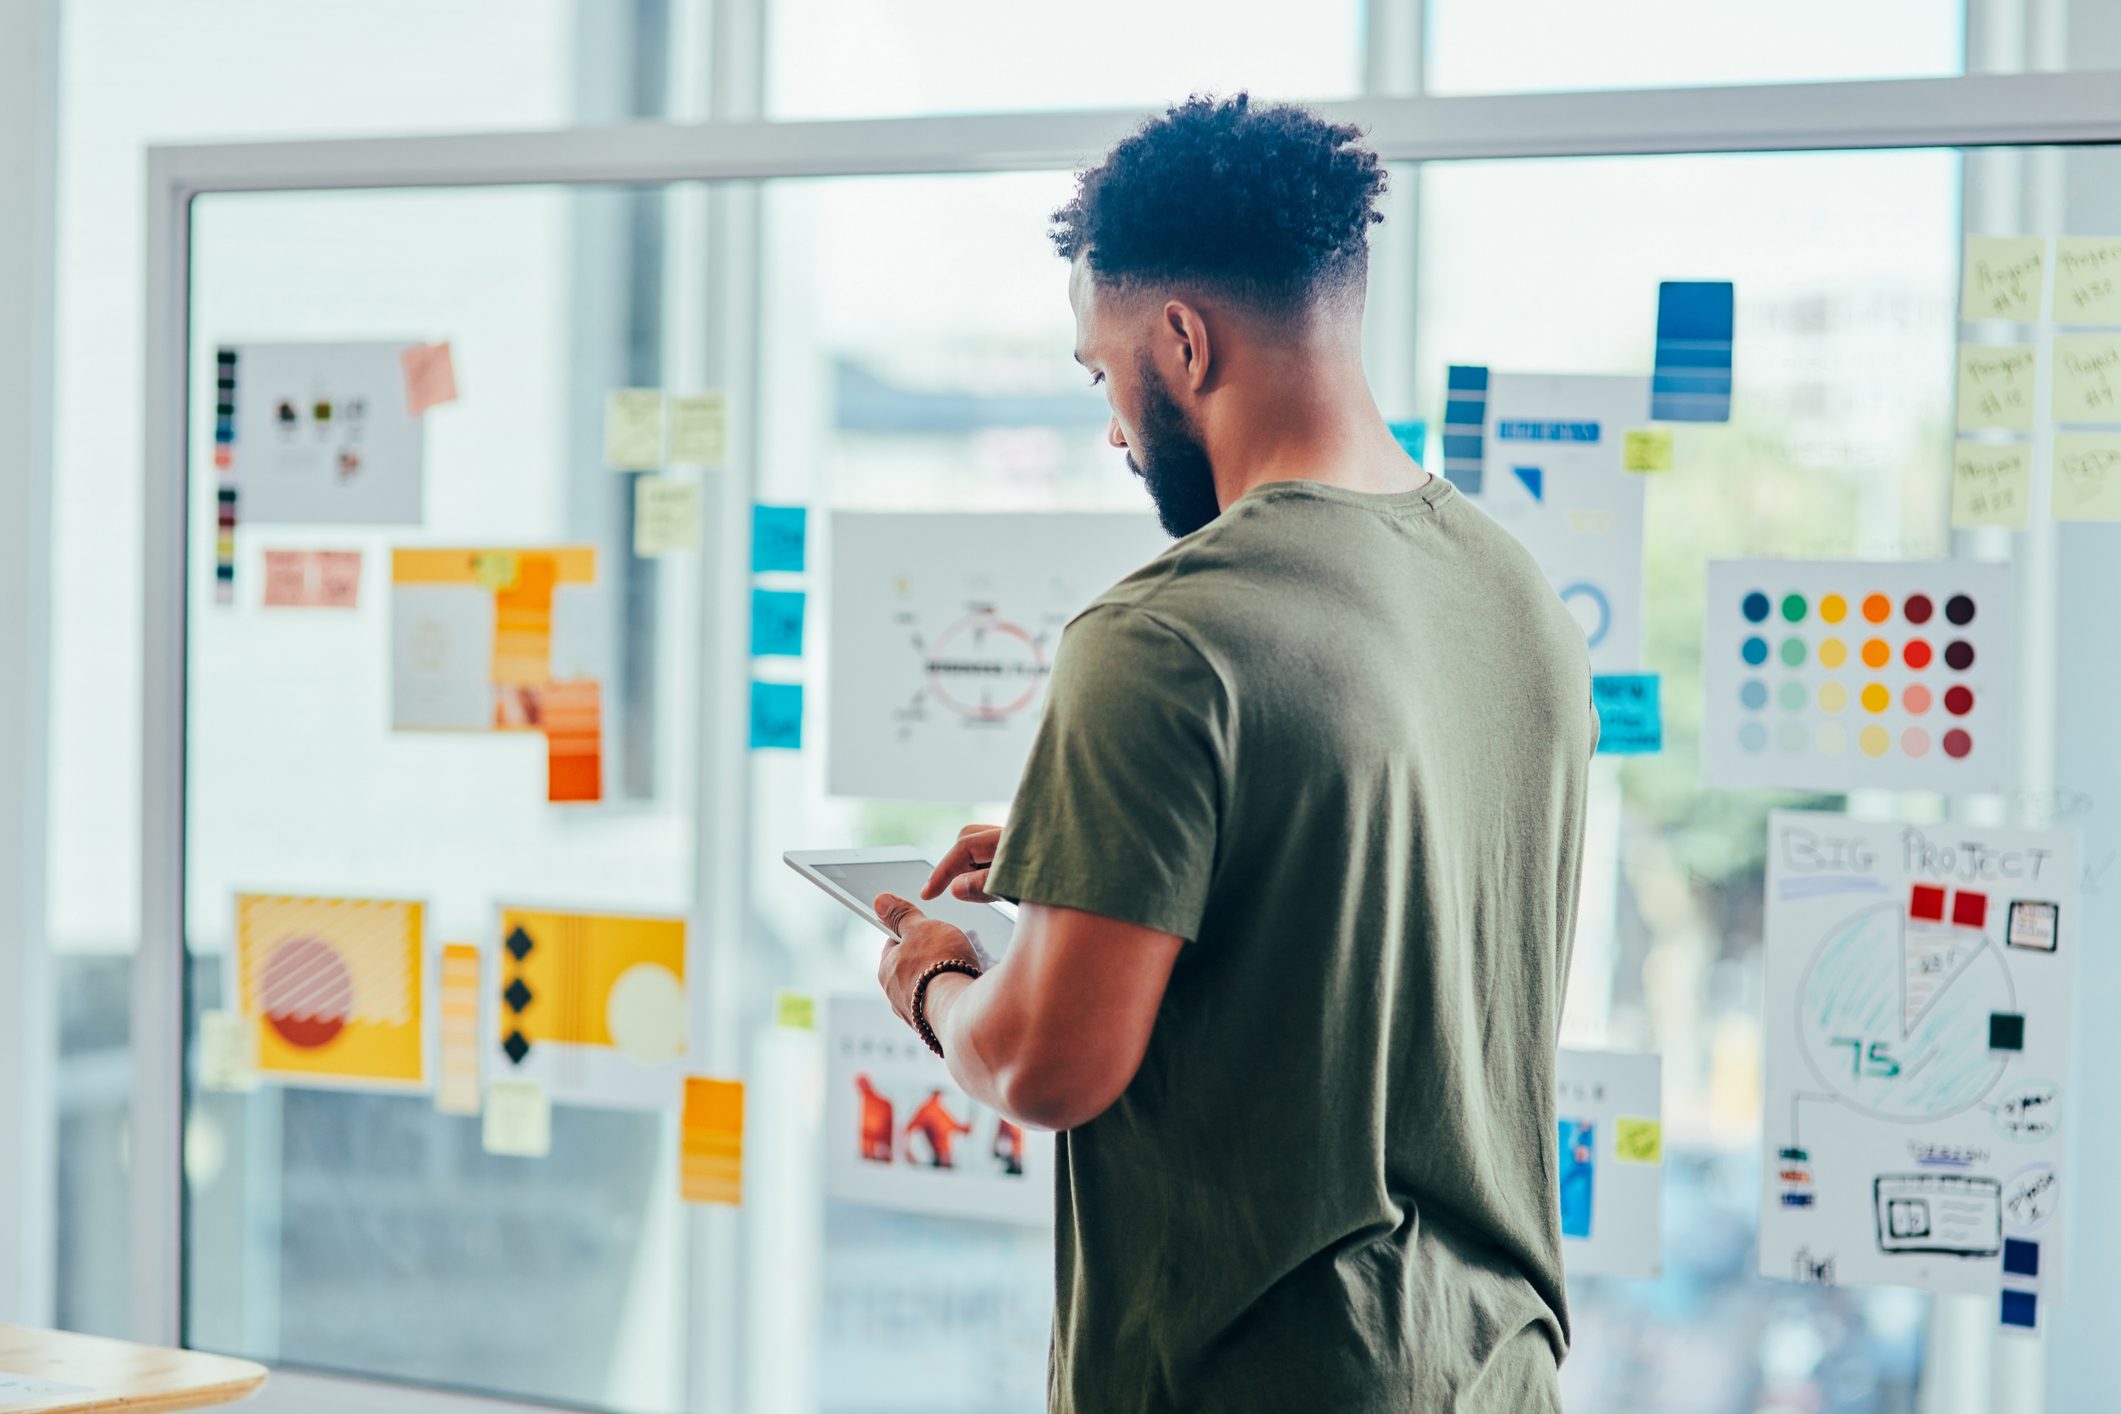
<point x="2035" y="926"/>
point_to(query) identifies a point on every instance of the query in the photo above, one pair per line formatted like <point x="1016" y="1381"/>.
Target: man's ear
<point x="1188" y="331"/>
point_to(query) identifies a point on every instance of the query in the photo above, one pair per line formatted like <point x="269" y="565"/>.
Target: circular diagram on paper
<point x="985" y="668"/>
<point x="645" y="1013"/>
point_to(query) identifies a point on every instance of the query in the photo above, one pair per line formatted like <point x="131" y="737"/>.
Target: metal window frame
<point x="2058" y="109"/>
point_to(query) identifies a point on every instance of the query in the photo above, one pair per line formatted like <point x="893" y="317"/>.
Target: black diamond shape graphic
<point x="517" y="996"/>
<point x="519" y="943"/>
<point x="516" y="1047"/>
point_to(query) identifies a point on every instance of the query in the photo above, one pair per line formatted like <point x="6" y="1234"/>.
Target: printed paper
<point x="1996" y="387"/>
<point x="633" y="429"/>
<point x="18" y="1389"/>
<point x="2087" y="476"/>
<point x="477" y="635"/>
<point x="321" y="434"/>
<point x="333" y="988"/>
<point x="1608" y="1106"/>
<point x="1838" y="675"/>
<point x="1992" y="485"/>
<point x="2088" y="378"/>
<point x="1917" y="1008"/>
<point x="899" y="1133"/>
<point x="2005" y="277"/>
<point x="228" y="1050"/>
<point x="592" y="1006"/>
<point x="2088" y="280"/>
<point x="943" y="632"/>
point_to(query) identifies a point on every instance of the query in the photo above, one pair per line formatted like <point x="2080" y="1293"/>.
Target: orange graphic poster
<point x="332" y="987"/>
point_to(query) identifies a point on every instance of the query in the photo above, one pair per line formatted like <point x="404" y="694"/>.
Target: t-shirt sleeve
<point x="1118" y="809"/>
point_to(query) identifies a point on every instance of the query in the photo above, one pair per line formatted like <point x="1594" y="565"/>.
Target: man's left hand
<point x="924" y="941"/>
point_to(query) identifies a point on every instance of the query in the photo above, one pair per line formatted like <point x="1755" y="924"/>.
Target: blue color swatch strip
<point x="1692" y="378"/>
<point x="1465" y="420"/>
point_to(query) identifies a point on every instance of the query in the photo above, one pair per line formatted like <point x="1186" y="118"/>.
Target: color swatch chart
<point x="1846" y="675"/>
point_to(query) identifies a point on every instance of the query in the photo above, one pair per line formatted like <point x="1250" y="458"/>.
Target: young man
<point x="1297" y="845"/>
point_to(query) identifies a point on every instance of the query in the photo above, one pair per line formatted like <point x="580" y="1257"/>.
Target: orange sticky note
<point x="430" y="377"/>
<point x="711" y="1141"/>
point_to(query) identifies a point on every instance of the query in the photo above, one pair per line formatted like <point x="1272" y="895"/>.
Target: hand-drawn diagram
<point x="1611" y="1148"/>
<point x="1551" y="475"/>
<point x="1918" y="1027"/>
<point x="943" y="633"/>
<point x="900" y="1134"/>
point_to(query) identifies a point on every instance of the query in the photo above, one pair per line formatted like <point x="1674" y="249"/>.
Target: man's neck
<point x="1323" y="428"/>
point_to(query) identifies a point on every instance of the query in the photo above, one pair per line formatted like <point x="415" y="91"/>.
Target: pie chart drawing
<point x="306" y="991"/>
<point x="1892" y="1015"/>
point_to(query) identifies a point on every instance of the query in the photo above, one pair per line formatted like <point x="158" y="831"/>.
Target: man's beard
<point x="1173" y="461"/>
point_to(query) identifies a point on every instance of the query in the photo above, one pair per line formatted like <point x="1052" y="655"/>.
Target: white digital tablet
<point x="856" y="876"/>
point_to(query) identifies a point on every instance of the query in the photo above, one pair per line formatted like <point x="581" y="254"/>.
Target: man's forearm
<point x="956" y="1006"/>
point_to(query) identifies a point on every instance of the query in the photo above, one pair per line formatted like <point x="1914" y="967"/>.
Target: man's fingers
<point x="896" y="912"/>
<point x="972" y="887"/>
<point x="979" y="830"/>
<point x="974" y="850"/>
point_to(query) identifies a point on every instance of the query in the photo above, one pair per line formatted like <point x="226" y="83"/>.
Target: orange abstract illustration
<point x="876" y="1122"/>
<point x="333" y="986"/>
<point x="938" y="1127"/>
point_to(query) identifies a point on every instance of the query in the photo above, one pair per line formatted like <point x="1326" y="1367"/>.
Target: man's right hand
<point x="963" y="871"/>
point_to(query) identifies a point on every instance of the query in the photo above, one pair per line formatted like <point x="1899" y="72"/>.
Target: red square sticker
<point x="1926" y="903"/>
<point x="1969" y="910"/>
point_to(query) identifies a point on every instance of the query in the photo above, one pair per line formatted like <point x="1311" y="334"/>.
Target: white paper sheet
<point x="1839" y="675"/>
<point x="323" y="435"/>
<point x="943" y="633"/>
<point x="1609" y="1108"/>
<point x="1552" y="477"/>
<point x="1907" y="1138"/>
<point x="899" y="1133"/>
<point x="17" y="1389"/>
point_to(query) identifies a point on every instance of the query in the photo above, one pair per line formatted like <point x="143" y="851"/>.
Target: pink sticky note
<point x="338" y="579"/>
<point x="430" y="377"/>
<point x="286" y="579"/>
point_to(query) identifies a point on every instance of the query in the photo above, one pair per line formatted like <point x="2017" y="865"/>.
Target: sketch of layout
<point x="944" y="629"/>
<point x="1918" y="1003"/>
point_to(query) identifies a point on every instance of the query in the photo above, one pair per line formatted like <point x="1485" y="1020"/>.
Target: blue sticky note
<point x="778" y="535"/>
<point x="1579" y="1163"/>
<point x="1412" y="436"/>
<point x="1691" y="381"/>
<point x="2021" y="1308"/>
<point x="776" y="623"/>
<point x="776" y="716"/>
<point x="1630" y="716"/>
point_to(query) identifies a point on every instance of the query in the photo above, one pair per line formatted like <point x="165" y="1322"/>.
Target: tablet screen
<point x="986" y="925"/>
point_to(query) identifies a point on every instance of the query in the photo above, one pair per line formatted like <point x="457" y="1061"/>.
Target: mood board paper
<point x="333" y="988"/>
<point x="1838" y="675"/>
<point x="1917" y="1035"/>
<point x="593" y="1006"/>
<point x="1553" y="478"/>
<point x="2088" y="280"/>
<point x="899" y="1133"/>
<point x="1608" y="1108"/>
<point x="479" y="634"/>
<point x="943" y="629"/>
<point x="321" y="434"/>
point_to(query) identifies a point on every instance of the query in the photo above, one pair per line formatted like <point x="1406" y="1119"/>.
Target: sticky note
<point x="1992" y="485"/>
<point x="2004" y="278"/>
<point x="633" y="429"/>
<point x="496" y="569"/>
<point x="1646" y="449"/>
<point x="2088" y="280"/>
<point x="797" y="1011"/>
<point x="1691" y="378"/>
<point x="776" y="716"/>
<point x="699" y="428"/>
<point x="338" y="579"/>
<point x="1412" y="436"/>
<point x="518" y="1120"/>
<point x="777" y="538"/>
<point x="666" y="516"/>
<point x="711" y="1141"/>
<point x="2087" y="476"/>
<point x="2087" y="378"/>
<point x="1638" y="1141"/>
<point x="457" y="1058"/>
<point x="228" y="1051"/>
<point x="776" y="623"/>
<point x="1630" y="718"/>
<point x="1996" y="387"/>
<point x="430" y="377"/>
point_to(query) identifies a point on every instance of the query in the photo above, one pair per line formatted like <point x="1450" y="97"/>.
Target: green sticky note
<point x="795" y="1010"/>
<point x="1638" y="1141"/>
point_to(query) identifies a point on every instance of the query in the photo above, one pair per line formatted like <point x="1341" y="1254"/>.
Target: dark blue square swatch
<point x="2021" y="1258"/>
<point x="1692" y="378"/>
<point x="2021" y="1308"/>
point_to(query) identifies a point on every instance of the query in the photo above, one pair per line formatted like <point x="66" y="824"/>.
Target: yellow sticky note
<point x="2088" y="280"/>
<point x="795" y="1010"/>
<point x="1992" y="485"/>
<point x="496" y="569"/>
<point x="633" y="429"/>
<point x="1638" y="1141"/>
<point x="1646" y="449"/>
<point x="228" y="1050"/>
<point x="711" y="1141"/>
<point x="699" y="428"/>
<point x="2087" y="477"/>
<point x="1996" y="387"/>
<point x="2004" y="277"/>
<point x="518" y="1119"/>
<point x="2088" y="378"/>
<point x="666" y="516"/>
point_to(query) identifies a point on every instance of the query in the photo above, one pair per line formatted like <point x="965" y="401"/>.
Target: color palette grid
<point x="1843" y="675"/>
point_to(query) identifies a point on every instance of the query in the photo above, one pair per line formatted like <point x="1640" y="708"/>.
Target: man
<point x="1297" y="844"/>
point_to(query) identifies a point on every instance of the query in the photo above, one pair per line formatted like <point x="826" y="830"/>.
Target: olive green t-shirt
<point x="1338" y="742"/>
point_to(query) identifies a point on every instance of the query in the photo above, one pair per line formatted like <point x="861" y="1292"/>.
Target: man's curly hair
<point x="1270" y="204"/>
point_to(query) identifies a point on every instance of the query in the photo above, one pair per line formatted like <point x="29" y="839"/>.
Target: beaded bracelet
<point x="920" y="996"/>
